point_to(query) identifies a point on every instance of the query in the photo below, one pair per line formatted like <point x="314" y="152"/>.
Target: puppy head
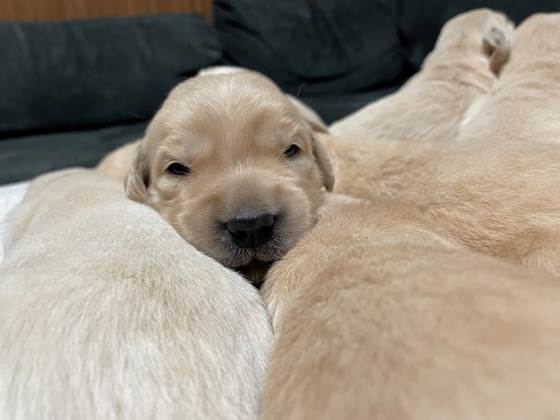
<point x="232" y="165"/>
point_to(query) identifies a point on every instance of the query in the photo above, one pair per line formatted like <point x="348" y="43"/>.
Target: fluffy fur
<point x="106" y="313"/>
<point x="378" y="317"/>
<point x="383" y="310"/>
<point x="488" y="185"/>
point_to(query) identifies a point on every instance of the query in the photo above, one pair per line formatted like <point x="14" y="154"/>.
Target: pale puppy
<point x="495" y="193"/>
<point x="106" y="313"/>
<point x="378" y="317"/>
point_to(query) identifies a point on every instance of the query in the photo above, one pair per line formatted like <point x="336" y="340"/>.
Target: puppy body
<point x="488" y="186"/>
<point x="376" y="316"/>
<point x="498" y="199"/>
<point x="106" y="313"/>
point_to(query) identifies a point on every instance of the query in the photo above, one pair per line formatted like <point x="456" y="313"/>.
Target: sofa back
<point x="67" y="75"/>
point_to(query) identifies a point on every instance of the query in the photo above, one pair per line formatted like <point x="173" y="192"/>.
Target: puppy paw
<point x="497" y="46"/>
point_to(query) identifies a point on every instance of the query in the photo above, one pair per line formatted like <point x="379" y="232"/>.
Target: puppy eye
<point x="292" y="151"/>
<point x="178" y="169"/>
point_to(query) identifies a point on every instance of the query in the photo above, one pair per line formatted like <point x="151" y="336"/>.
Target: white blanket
<point x="10" y="196"/>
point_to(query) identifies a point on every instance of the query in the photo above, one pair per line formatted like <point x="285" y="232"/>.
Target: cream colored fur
<point x="106" y="313"/>
<point x="490" y="187"/>
<point x="378" y="317"/>
<point x="383" y="311"/>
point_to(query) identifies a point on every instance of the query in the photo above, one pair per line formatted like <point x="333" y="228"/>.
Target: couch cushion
<point x="22" y="158"/>
<point x="75" y="74"/>
<point x="334" y="107"/>
<point x="314" y="47"/>
<point x="420" y="26"/>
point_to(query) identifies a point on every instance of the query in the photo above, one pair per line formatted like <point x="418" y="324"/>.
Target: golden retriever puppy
<point x="107" y="313"/>
<point x="469" y="53"/>
<point x="378" y="317"/>
<point x="230" y="162"/>
<point x="493" y="192"/>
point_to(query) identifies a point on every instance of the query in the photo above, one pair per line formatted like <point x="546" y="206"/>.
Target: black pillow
<point x="75" y="74"/>
<point x="313" y="46"/>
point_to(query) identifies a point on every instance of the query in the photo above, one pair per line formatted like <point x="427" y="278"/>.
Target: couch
<point x="72" y="91"/>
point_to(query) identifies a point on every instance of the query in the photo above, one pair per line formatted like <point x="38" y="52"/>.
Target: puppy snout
<point x="251" y="232"/>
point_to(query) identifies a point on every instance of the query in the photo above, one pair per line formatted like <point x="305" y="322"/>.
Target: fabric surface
<point x="313" y="47"/>
<point x="25" y="157"/>
<point x="334" y="107"/>
<point x="10" y="197"/>
<point x="68" y="75"/>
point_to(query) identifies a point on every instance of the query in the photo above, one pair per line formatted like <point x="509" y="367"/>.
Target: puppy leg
<point x="524" y="104"/>
<point x="497" y="46"/>
<point x="470" y="51"/>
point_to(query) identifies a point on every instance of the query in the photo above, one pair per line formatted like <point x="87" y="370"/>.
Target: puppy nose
<point x="253" y="232"/>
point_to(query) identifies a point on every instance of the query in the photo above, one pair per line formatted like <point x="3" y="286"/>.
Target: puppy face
<point x="231" y="164"/>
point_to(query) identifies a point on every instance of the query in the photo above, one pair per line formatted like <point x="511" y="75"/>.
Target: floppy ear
<point x="309" y="116"/>
<point x="324" y="163"/>
<point x="138" y="179"/>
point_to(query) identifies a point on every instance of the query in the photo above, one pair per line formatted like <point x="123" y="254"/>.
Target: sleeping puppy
<point x="107" y="313"/>
<point x="493" y="192"/>
<point x="232" y="164"/>
<point x="378" y="317"/>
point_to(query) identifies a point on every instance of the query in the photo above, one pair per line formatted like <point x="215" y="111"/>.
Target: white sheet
<point x="10" y="196"/>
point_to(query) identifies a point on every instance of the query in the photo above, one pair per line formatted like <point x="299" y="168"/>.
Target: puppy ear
<point x="324" y="163"/>
<point x="138" y="179"/>
<point x="309" y="116"/>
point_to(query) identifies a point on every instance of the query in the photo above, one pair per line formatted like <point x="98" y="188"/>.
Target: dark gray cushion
<point x="22" y="158"/>
<point x="313" y="47"/>
<point x="334" y="107"/>
<point x="66" y="75"/>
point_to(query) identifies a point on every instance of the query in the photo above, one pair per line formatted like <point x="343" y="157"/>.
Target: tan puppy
<point x="106" y="313"/>
<point x="232" y="165"/>
<point x="469" y="52"/>
<point x="378" y="317"/>
<point x="493" y="192"/>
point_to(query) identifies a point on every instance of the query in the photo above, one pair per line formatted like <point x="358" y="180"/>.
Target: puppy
<point x="495" y="194"/>
<point x="379" y="317"/>
<point x="230" y="162"/>
<point x="469" y="53"/>
<point x="106" y="313"/>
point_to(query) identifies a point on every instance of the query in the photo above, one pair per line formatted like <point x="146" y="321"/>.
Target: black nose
<point x="251" y="233"/>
